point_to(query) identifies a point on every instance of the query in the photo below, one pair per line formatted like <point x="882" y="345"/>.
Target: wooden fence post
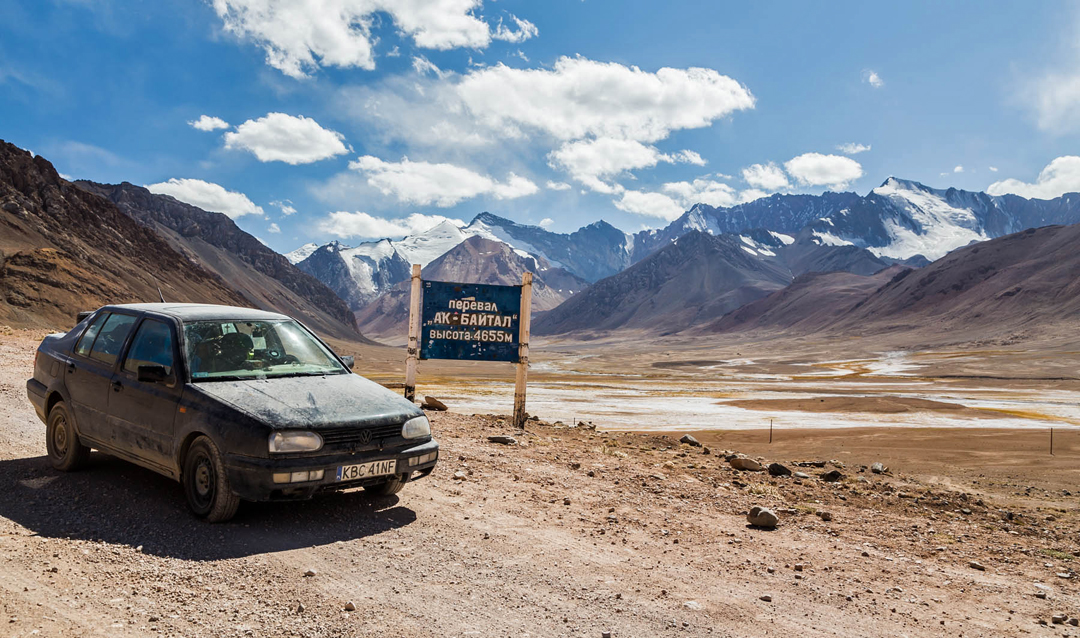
<point x="523" y="350"/>
<point x="414" y="335"/>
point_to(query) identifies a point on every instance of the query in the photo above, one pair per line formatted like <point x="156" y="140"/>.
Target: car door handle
<point x="71" y="368"/>
<point x="117" y="386"/>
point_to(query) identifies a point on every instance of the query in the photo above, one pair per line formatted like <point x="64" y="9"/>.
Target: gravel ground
<point x="568" y="532"/>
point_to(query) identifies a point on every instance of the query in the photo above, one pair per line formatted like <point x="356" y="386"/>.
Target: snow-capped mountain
<point x="360" y="274"/>
<point x="898" y="220"/>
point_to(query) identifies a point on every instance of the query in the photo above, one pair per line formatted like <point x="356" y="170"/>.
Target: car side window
<point x="111" y="338"/>
<point x="153" y="345"/>
<point x="87" y="339"/>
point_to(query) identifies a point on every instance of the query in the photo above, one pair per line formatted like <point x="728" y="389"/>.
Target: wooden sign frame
<point x="412" y="353"/>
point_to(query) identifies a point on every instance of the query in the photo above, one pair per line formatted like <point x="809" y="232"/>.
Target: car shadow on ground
<point x="117" y="502"/>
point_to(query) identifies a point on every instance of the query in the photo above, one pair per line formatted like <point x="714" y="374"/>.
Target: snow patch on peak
<point x="823" y="238"/>
<point x="787" y="240"/>
<point x="301" y="253"/>
<point x="698" y="219"/>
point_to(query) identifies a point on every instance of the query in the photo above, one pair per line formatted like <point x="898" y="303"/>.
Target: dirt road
<point x="569" y="533"/>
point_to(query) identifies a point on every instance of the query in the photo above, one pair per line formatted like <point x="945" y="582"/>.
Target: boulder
<point x="689" y="440"/>
<point x="431" y="403"/>
<point x="504" y="440"/>
<point x="775" y="469"/>
<point x="832" y="476"/>
<point x="878" y="468"/>
<point x="745" y="463"/>
<point x="762" y="517"/>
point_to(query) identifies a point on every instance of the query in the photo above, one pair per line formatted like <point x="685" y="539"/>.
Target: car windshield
<point x="228" y="350"/>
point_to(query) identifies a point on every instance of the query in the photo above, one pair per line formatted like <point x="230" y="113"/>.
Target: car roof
<point x="201" y="311"/>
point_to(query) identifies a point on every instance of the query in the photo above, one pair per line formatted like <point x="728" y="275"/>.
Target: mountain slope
<point x="63" y="250"/>
<point x="475" y="260"/>
<point x="264" y="277"/>
<point x="1022" y="283"/>
<point x="695" y="278"/>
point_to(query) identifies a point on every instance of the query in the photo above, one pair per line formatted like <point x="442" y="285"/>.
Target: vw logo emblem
<point x="365" y="436"/>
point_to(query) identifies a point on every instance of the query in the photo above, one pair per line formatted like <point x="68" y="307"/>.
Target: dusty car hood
<point x="313" y="402"/>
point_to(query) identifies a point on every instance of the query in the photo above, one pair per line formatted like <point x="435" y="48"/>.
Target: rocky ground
<point x="565" y="531"/>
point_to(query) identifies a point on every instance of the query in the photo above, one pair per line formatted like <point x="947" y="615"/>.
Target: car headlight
<point x="297" y="441"/>
<point x="416" y="427"/>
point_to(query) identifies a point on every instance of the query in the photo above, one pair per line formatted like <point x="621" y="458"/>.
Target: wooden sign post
<point x="473" y="322"/>
<point x="414" y="335"/>
<point x="523" y="350"/>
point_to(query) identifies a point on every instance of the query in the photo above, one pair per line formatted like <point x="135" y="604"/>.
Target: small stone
<point x="776" y="469"/>
<point x="692" y="604"/>
<point x="977" y="565"/>
<point x="865" y="554"/>
<point x="349" y="606"/>
<point x="798" y="567"/>
<point x="605" y="634"/>
<point x="762" y="517"/>
<point x="1075" y="622"/>
<point x="745" y="463"/>
<point x="310" y="572"/>
<point x="1040" y="595"/>
<point x="689" y="440"/>
<point x="832" y="476"/>
<point x="503" y="439"/>
<point x="767" y="598"/>
<point x="1059" y="575"/>
<point x="879" y="468"/>
<point x="300" y="608"/>
<point x="800" y="475"/>
<point x="566" y="501"/>
<point x="459" y="476"/>
<point x="1058" y="619"/>
<point x="825" y="516"/>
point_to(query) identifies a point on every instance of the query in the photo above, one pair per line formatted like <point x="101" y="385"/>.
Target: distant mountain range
<point x="1013" y="285"/>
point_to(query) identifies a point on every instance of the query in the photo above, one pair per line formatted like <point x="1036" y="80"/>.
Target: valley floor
<point x="570" y="532"/>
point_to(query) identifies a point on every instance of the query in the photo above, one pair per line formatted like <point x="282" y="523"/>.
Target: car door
<point x="141" y="413"/>
<point x="90" y="370"/>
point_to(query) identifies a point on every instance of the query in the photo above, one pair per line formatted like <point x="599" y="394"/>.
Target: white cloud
<point x="993" y="169"/>
<point x="286" y="138"/>
<point x="285" y="205"/>
<point x="958" y="169"/>
<point x="274" y="228"/>
<point x="523" y="32"/>
<point x="751" y="194"/>
<point x="852" y="148"/>
<point x="815" y="169"/>
<point x="299" y="36"/>
<point x="873" y="79"/>
<point x="595" y="162"/>
<point x="558" y="186"/>
<point x="360" y="224"/>
<point x="768" y="177"/>
<point x="545" y="222"/>
<point x="1059" y="177"/>
<point x="649" y="204"/>
<point x="701" y="191"/>
<point x="394" y="52"/>
<point x="443" y="185"/>
<point x="208" y="123"/>
<point x="423" y="66"/>
<point x="207" y="196"/>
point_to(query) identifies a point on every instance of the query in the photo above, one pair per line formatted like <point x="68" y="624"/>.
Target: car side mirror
<point x="349" y="361"/>
<point x="153" y="374"/>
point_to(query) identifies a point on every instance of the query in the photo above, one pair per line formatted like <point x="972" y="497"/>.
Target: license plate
<point x="366" y="470"/>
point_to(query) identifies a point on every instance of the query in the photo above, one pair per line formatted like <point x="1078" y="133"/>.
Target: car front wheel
<point x="206" y="485"/>
<point x="393" y="486"/>
<point x="66" y="451"/>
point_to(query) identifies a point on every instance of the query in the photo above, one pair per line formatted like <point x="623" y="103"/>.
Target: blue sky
<point x="373" y="118"/>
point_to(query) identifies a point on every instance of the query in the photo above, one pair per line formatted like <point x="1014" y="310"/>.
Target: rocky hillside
<point x="265" y="278"/>
<point x="63" y="250"/>
<point x="1009" y="287"/>
<point x="475" y="260"/>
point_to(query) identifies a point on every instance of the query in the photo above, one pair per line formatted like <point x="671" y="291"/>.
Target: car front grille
<point x="358" y="438"/>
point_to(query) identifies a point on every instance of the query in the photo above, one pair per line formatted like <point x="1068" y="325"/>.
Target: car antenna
<point x="161" y="296"/>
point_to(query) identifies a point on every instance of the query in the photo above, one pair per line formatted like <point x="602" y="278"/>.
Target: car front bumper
<point x="252" y="478"/>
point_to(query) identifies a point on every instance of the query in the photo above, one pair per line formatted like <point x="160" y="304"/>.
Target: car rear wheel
<point x="66" y="451"/>
<point x="393" y="486"/>
<point x="206" y="485"/>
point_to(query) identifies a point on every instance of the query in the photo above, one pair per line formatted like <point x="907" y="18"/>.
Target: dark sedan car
<point x="234" y="403"/>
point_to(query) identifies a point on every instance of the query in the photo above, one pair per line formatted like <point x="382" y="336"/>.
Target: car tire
<point x="66" y="451"/>
<point x="391" y="487"/>
<point x="206" y="484"/>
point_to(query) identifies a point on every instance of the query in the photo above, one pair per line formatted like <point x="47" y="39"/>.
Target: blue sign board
<point x="476" y="322"/>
